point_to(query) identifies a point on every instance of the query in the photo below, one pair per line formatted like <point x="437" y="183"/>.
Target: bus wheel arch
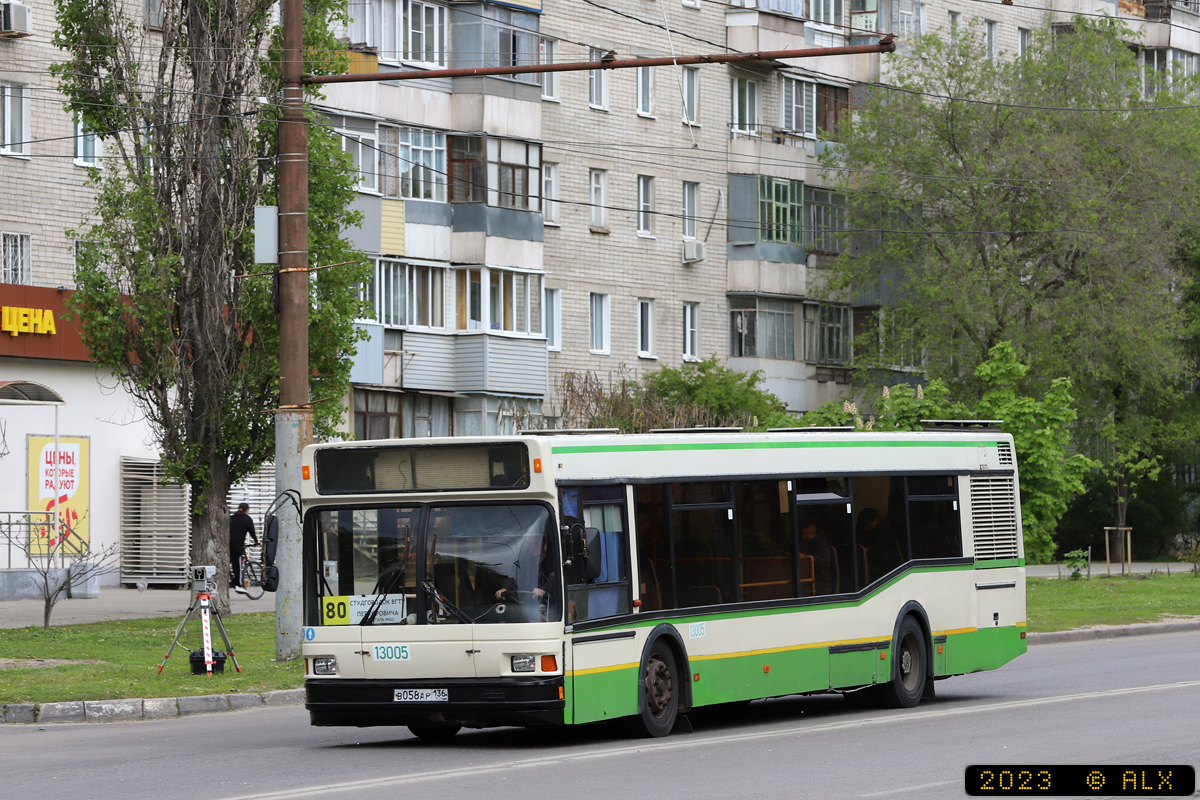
<point x="911" y="640"/>
<point x="664" y="660"/>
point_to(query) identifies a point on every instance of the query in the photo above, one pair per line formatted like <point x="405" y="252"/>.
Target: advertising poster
<point x="69" y="474"/>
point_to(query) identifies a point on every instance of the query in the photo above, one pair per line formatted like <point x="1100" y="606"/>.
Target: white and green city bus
<point x="559" y="579"/>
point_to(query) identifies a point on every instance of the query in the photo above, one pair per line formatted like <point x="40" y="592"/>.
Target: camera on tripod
<point x="202" y="578"/>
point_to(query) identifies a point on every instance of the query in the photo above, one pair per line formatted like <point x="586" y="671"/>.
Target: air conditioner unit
<point x="16" y="20"/>
<point x="693" y="250"/>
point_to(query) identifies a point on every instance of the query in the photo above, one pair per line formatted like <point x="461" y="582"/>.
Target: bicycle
<point x="251" y="579"/>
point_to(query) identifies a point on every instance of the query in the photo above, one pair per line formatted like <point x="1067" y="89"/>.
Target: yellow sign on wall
<point x="14" y="320"/>
<point x="64" y="476"/>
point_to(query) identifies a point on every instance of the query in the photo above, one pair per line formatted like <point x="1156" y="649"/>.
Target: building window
<point x="793" y="8"/>
<point x="553" y="328"/>
<point x="15" y="258"/>
<point x="745" y="106"/>
<point x="691" y="95"/>
<point x="832" y="101"/>
<point x="407" y="294"/>
<point x="466" y="169"/>
<point x="645" y="327"/>
<point x="645" y="91"/>
<point x="645" y="205"/>
<point x="1023" y="42"/>
<point x="412" y="163"/>
<point x="154" y="14"/>
<point x="812" y="347"/>
<point x="1156" y="70"/>
<point x="826" y="11"/>
<point x="864" y="15"/>
<point x="989" y="40"/>
<point x="781" y="210"/>
<point x="762" y="328"/>
<point x="825" y="213"/>
<point x="691" y="208"/>
<point x="376" y="415"/>
<point x="799" y="106"/>
<point x="516" y="171"/>
<point x="691" y="331"/>
<point x="361" y="148"/>
<point x="550" y="192"/>
<point x="597" y="194"/>
<point x="549" y="51"/>
<point x="14" y="119"/>
<point x="400" y="30"/>
<point x="597" y="83"/>
<point x="87" y="146"/>
<point x="953" y="24"/>
<point x="512" y="303"/>
<point x="908" y="23"/>
<point x="834" y="334"/>
<point x="512" y="41"/>
<point x="598" y="317"/>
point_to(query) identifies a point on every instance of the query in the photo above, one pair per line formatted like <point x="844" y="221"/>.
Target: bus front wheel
<point x="659" y="690"/>
<point x="909" y="666"/>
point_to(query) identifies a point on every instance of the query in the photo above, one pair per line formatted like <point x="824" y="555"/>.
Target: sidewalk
<point x="117" y="603"/>
<point x="1098" y="569"/>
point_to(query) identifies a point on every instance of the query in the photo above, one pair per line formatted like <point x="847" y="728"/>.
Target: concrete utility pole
<point x="293" y="419"/>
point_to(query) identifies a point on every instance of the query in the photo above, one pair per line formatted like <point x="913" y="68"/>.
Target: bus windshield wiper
<point x="393" y="580"/>
<point x="446" y="604"/>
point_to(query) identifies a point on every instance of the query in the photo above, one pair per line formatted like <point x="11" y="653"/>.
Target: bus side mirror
<point x="270" y="539"/>
<point x="589" y="554"/>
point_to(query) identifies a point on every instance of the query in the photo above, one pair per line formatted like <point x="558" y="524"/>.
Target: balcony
<point x="772" y="25"/>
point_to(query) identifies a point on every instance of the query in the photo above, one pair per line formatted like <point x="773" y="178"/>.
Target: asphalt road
<point x="1127" y="701"/>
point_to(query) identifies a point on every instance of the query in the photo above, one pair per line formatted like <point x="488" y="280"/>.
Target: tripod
<point x="202" y="598"/>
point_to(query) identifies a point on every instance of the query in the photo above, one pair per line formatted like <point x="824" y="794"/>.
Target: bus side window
<point x="880" y="527"/>
<point x="766" y="540"/>
<point x="933" y="517"/>
<point x="654" y="547"/>
<point x="602" y="508"/>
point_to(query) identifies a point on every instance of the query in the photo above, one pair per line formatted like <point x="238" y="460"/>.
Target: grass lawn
<point x="1059" y="604"/>
<point x="129" y="653"/>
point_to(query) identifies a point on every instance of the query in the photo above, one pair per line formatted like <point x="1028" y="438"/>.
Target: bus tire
<point x="910" y="662"/>
<point x="433" y="730"/>
<point x="659" y="690"/>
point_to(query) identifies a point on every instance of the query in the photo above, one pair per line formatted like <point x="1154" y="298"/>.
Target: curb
<point x="1111" y="632"/>
<point x="138" y="709"/>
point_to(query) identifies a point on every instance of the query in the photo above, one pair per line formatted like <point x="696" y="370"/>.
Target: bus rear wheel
<point x="909" y="666"/>
<point x="433" y="730"/>
<point x="659" y="690"/>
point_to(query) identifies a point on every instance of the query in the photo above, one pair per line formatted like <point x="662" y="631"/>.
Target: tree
<point x="1038" y="200"/>
<point x="1050" y="474"/>
<point x="167" y="296"/>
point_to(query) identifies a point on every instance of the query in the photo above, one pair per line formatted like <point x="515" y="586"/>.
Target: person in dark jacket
<point x="241" y="524"/>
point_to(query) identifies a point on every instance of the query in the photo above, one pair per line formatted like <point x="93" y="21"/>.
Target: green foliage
<point x="1076" y="561"/>
<point x="1041" y="430"/>
<point x="1016" y="213"/>
<point x="725" y="392"/>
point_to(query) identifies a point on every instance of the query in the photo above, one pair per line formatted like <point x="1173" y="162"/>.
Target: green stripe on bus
<point x="644" y="448"/>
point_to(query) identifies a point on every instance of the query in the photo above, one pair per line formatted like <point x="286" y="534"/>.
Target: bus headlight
<point x="523" y="664"/>
<point x="325" y="665"/>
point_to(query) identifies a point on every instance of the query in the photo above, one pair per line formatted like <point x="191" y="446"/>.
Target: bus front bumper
<point x="472" y="703"/>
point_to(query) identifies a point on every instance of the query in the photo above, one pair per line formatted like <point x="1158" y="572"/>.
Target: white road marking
<point x="687" y="743"/>
<point x="908" y="789"/>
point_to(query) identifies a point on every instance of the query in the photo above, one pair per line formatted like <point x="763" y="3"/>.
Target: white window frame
<point x="645" y="91"/>
<point x="550" y="193"/>
<point x="412" y="163"/>
<point x="14" y="133"/>
<point x="393" y="291"/>
<point x="552" y="308"/>
<point x="691" y="96"/>
<point x="691" y="209"/>
<point x="989" y="39"/>
<point x="548" y="51"/>
<point x="599" y="323"/>
<point x="691" y="331"/>
<point x="598" y="197"/>
<point x="16" y="258"/>
<point x="645" y="327"/>
<point x="388" y="26"/>
<point x="799" y="100"/>
<point x="1023" y="42"/>
<point x="645" y="205"/>
<point x="83" y="137"/>
<point x="744" y="115"/>
<point x="597" y="83"/>
<point x="362" y="148"/>
<point x="826" y="12"/>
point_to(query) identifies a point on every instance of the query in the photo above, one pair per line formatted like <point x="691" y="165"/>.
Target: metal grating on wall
<point x="994" y="517"/>
<point x="1004" y="450"/>
<point x="155" y="524"/>
<point x="257" y="489"/>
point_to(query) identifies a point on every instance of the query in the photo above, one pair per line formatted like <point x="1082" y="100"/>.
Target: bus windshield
<point x="437" y="564"/>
